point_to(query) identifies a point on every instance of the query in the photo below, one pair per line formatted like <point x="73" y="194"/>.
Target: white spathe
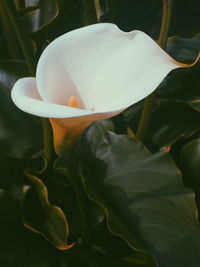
<point x="106" y="69"/>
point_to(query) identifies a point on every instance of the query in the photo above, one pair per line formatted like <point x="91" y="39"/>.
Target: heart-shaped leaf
<point x="42" y="217"/>
<point x="142" y="195"/>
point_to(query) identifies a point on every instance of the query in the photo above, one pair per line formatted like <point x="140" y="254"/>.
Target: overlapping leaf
<point x="189" y="162"/>
<point x="183" y="49"/>
<point x="42" y="217"/>
<point x="143" y="196"/>
<point x="41" y="17"/>
<point x="182" y="84"/>
<point x="169" y="122"/>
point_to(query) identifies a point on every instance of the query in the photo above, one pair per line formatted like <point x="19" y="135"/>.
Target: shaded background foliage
<point x="174" y="126"/>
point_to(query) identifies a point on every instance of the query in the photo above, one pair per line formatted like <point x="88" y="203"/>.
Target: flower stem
<point x="90" y="16"/>
<point x="48" y="141"/>
<point x="149" y="101"/>
<point x="15" y="22"/>
<point x="167" y="10"/>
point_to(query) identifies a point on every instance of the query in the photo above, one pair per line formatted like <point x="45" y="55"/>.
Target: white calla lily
<point x="102" y="68"/>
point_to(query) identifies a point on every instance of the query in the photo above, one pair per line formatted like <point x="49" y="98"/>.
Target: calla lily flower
<point x="89" y="74"/>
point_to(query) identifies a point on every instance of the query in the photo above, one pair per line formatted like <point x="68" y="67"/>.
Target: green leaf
<point x="195" y="105"/>
<point x="182" y="84"/>
<point x="19" y="3"/>
<point x="21" y="133"/>
<point x="183" y="49"/>
<point x="20" y="247"/>
<point x="189" y="162"/>
<point x="42" y="217"/>
<point x="142" y="195"/>
<point x="114" y="249"/>
<point x="12" y="70"/>
<point x="42" y="17"/>
<point x="171" y="121"/>
<point x="191" y="157"/>
<point x="29" y="3"/>
<point x="132" y="115"/>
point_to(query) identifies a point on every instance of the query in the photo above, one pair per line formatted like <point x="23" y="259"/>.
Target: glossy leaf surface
<point x="183" y="49"/>
<point x="142" y="195"/>
<point x="41" y="17"/>
<point x="182" y="84"/>
<point x="171" y="121"/>
<point x="191" y="157"/>
<point x="189" y="162"/>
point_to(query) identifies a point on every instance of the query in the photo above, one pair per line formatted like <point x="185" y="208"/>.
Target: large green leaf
<point x="191" y="157"/>
<point x="183" y="49"/>
<point x="30" y="3"/>
<point x="182" y="84"/>
<point x="42" y="217"/>
<point x="142" y="195"/>
<point x="42" y="17"/>
<point x="169" y="122"/>
<point x="19" y="247"/>
<point x="189" y="162"/>
<point x="21" y="133"/>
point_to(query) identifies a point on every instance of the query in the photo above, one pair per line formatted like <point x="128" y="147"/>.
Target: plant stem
<point x="167" y="10"/>
<point x="15" y="22"/>
<point x="48" y="141"/>
<point x="90" y="16"/>
<point x="149" y="101"/>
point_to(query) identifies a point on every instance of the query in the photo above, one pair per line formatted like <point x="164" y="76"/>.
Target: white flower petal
<point x="104" y="67"/>
<point x="67" y="123"/>
<point x="25" y="95"/>
<point x="107" y="70"/>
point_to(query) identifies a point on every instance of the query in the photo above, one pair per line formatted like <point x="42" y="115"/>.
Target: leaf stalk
<point x="149" y="101"/>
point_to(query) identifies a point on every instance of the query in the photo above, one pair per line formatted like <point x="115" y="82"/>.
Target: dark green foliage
<point x="142" y="209"/>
